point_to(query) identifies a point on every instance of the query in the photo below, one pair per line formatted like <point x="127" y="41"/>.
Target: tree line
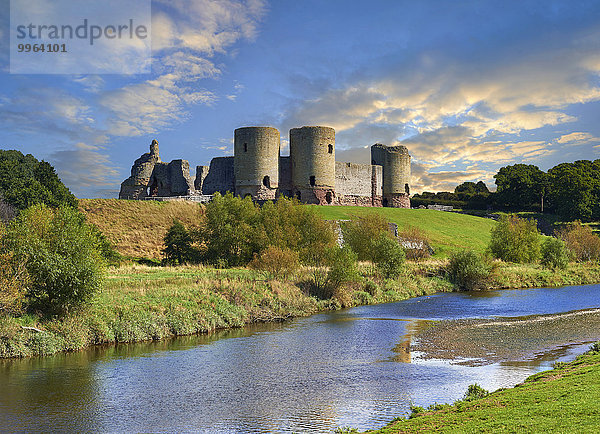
<point x="570" y="190"/>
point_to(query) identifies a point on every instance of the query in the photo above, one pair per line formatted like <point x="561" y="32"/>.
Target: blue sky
<point x="467" y="86"/>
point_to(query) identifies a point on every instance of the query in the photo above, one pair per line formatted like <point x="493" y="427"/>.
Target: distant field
<point x="136" y="227"/>
<point x="447" y="231"/>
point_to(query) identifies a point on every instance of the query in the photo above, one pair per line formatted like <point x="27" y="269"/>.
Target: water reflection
<point x="347" y="368"/>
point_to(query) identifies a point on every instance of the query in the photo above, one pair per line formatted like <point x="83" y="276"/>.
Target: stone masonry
<point x="310" y="173"/>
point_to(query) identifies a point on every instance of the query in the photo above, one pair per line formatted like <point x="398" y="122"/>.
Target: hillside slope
<point x="447" y="231"/>
<point x="135" y="227"/>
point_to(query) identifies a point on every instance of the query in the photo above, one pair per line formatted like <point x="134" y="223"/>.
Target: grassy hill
<point x="447" y="231"/>
<point x="136" y="227"/>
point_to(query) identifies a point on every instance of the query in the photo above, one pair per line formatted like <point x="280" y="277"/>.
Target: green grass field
<point x="563" y="400"/>
<point x="447" y="231"/>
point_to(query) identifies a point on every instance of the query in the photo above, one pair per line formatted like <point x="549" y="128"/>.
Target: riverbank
<point x="560" y="400"/>
<point x="139" y="303"/>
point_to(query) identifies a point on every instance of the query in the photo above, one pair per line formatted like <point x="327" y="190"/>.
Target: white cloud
<point x="577" y="138"/>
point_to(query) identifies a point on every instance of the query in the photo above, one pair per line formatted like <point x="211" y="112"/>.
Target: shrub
<point x="581" y="242"/>
<point x="416" y="243"/>
<point x="554" y="254"/>
<point x="467" y="269"/>
<point x="276" y="262"/>
<point x="178" y="245"/>
<point x="515" y="240"/>
<point x="362" y="232"/>
<point x="343" y="268"/>
<point x="474" y="392"/>
<point x="13" y="283"/>
<point x="236" y="229"/>
<point x="60" y="253"/>
<point x="388" y="256"/>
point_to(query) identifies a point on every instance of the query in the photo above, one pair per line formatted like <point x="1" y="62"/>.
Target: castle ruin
<point x="310" y="173"/>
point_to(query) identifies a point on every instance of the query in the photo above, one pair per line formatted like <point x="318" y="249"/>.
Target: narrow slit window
<point x="267" y="181"/>
<point x="406" y="188"/>
<point x="330" y="149"/>
<point x="312" y="181"/>
<point x="245" y="147"/>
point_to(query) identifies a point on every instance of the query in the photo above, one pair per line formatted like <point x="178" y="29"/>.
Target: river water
<point x="347" y="368"/>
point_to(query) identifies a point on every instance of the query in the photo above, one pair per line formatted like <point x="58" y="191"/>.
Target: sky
<point x="466" y="86"/>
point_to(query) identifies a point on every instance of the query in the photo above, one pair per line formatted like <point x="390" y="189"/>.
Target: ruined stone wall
<point x="256" y="162"/>
<point x="312" y="152"/>
<point x="285" y="176"/>
<point x="219" y="176"/>
<point x="353" y="179"/>
<point x="136" y="186"/>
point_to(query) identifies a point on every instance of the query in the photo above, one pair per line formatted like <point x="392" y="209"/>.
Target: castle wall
<point x="312" y="152"/>
<point x="256" y="162"/>
<point x="219" y="176"/>
<point x="285" y="176"/>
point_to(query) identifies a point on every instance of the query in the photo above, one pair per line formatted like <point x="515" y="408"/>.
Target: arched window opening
<point x="298" y="195"/>
<point x="267" y="181"/>
<point x="406" y="188"/>
<point x="312" y="181"/>
<point x="330" y="148"/>
<point x="385" y="202"/>
<point x="329" y="197"/>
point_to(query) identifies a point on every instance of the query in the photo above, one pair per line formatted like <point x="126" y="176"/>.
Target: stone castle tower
<point x="395" y="161"/>
<point x="312" y="154"/>
<point x="256" y="162"/>
<point x="257" y="169"/>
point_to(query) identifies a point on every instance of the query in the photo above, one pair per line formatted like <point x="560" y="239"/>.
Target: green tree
<point x="520" y="186"/>
<point x="178" y="245"/>
<point x="554" y="254"/>
<point x="389" y="256"/>
<point x="362" y="232"/>
<point x="575" y="190"/>
<point x="25" y="181"/>
<point x="60" y="253"/>
<point x="515" y="240"/>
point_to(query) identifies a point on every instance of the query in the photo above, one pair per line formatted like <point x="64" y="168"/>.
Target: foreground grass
<point x="447" y="231"/>
<point x="135" y="227"/>
<point x="141" y="303"/>
<point x="563" y="400"/>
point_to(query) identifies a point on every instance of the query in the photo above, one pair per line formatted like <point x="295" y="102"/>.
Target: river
<point x="348" y="368"/>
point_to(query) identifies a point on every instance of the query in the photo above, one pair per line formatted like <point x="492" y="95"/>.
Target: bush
<point x="388" y="256"/>
<point x="362" y="232"/>
<point x="515" y="240"/>
<point x="236" y="229"/>
<point x="581" y="242"/>
<point x="178" y="245"/>
<point x="554" y="254"/>
<point x="343" y="268"/>
<point x="13" y="283"/>
<point x="467" y="270"/>
<point x="474" y="392"/>
<point x="415" y="243"/>
<point x="60" y="253"/>
<point x="276" y="262"/>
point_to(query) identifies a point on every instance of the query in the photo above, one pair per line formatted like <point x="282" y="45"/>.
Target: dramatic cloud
<point x="85" y="169"/>
<point x="186" y="35"/>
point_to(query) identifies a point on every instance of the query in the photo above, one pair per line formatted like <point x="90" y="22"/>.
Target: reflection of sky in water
<point x="346" y="368"/>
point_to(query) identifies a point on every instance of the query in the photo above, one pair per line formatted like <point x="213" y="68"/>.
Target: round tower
<point x="256" y="162"/>
<point x="312" y="153"/>
<point x="396" y="174"/>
